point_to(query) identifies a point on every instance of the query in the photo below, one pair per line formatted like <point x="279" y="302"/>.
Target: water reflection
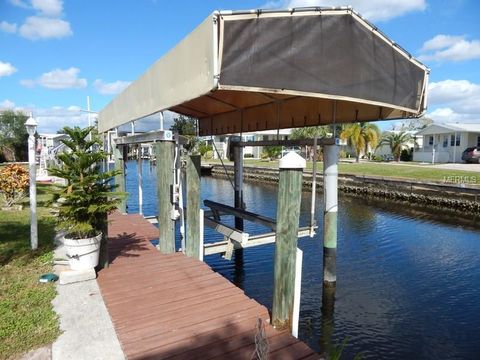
<point x="328" y="308"/>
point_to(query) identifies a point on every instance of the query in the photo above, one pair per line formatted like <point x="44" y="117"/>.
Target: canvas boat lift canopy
<point x="241" y="71"/>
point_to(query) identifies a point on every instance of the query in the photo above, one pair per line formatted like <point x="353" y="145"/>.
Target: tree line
<point x="13" y="136"/>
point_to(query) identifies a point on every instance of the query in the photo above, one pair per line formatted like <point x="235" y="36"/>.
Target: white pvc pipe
<point x="33" y="192"/>
<point x="200" y="247"/>
<point x="140" y="180"/>
<point x="161" y="120"/>
<point x="297" y="292"/>
<point x="330" y="176"/>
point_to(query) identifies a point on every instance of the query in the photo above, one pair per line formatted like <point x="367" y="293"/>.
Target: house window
<point x="455" y="140"/>
<point x="478" y="140"/>
<point x="430" y="140"/>
<point x="445" y="141"/>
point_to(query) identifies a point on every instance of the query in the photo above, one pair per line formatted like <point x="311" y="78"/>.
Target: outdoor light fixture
<point x="31" y="126"/>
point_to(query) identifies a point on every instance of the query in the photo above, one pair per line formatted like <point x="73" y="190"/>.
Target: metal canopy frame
<point x="151" y="137"/>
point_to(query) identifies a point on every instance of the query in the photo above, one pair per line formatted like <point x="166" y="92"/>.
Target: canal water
<point x="408" y="278"/>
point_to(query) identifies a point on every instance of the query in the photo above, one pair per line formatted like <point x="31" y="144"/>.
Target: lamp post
<point x="31" y="126"/>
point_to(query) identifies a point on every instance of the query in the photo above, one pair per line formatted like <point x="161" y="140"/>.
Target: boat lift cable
<point x="223" y="165"/>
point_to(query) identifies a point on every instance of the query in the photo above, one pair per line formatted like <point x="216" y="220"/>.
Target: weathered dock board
<point x="175" y="307"/>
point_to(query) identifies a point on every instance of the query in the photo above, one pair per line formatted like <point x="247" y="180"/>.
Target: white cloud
<point x="39" y="27"/>
<point x="20" y="3"/>
<point x="450" y="47"/>
<point x="56" y="117"/>
<point x="28" y="83"/>
<point x="456" y="100"/>
<point x="58" y="79"/>
<point x="48" y="7"/>
<point x="440" y="42"/>
<point x="105" y="88"/>
<point x="6" y="69"/>
<point x="62" y="79"/>
<point x="7" y="104"/>
<point x="374" y="10"/>
<point x="45" y="24"/>
<point x="7" y="27"/>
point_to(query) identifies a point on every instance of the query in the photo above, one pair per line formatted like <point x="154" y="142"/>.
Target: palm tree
<point x="308" y="132"/>
<point x="396" y="141"/>
<point x="361" y="136"/>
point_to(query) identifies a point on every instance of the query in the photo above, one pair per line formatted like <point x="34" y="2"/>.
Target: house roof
<point x="433" y="129"/>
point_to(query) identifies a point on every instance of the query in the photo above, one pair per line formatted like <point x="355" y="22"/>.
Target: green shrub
<point x="88" y="195"/>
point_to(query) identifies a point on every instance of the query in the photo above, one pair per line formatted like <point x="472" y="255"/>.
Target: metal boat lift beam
<point x="247" y="215"/>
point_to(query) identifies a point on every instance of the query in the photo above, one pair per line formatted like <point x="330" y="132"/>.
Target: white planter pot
<point x="83" y="253"/>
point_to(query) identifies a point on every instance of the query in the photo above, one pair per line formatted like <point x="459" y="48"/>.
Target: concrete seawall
<point x="464" y="197"/>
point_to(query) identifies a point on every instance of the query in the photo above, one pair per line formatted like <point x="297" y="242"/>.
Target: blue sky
<point x="54" y="53"/>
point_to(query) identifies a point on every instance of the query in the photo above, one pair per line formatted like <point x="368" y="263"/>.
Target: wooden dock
<point x="176" y="307"/>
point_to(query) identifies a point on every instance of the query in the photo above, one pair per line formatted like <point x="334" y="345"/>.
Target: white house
<point x="446" y="142"/>
<point x="50" y="141"/>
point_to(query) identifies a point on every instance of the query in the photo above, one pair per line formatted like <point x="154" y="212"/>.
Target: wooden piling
<point x="193" y="206"/>
<point x="119" y="153"/>
<point x="165" y="171"/>
<point x="288" y="215"/>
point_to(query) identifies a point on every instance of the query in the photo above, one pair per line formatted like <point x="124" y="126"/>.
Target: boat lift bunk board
<point x="235" y="238"/>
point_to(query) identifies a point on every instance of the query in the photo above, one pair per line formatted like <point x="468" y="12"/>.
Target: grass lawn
<point x="27" y="317"/>
<point x="414" y="172"/>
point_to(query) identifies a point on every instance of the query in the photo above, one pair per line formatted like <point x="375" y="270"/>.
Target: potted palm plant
<point x="86" y="198"/>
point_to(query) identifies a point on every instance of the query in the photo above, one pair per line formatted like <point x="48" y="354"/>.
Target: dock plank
<point x="175" y="307"/>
